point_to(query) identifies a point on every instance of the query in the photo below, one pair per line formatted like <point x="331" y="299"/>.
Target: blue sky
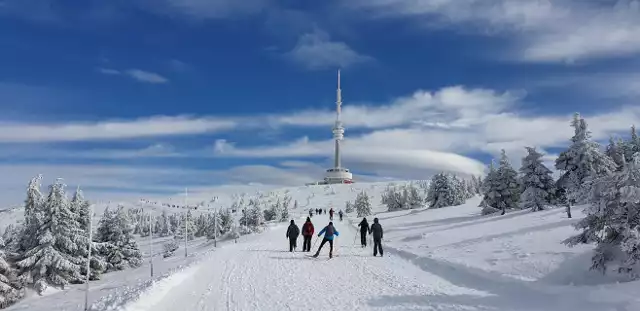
<point x="137" y="98"/>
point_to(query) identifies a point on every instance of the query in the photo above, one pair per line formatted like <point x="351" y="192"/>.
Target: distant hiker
<point x="364" y="228"/>
<point x="329" y="231"/>
<point x="310" y="212"/>
<point x="307" y="234"/>
<point x="331" y="214"/>
<point x="376" y="230"/>
<point x="292" y="234"/>
<point x="340" y="213"/>
<point x="317" y="211"/>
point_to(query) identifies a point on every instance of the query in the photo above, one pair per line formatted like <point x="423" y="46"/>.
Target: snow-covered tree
<point x="163" y="225"/>
<point x="33" y="214"/>
<point x="392" y="198"/>
<point x="284" y="216"/>
<point x="445" y="190"/>
<point x="538" y="184"/>
<point x="362" y="204"/>
<point x="11" y="289"/>
<point x="581" y="163"/>
<point x="491" y="191"/>
<point x="227" y="220"/>
<point x="509" y="184"/>
<point x="57" y="256"/>
<point x="190" y="227"/>
<point x="80" y="208"/>
<point x="615" y="151"/>
<point x="348" y="207"/>
<point x="613" y="220"/>
<point x="117" y="244"/>
<point x="631" y="147"/>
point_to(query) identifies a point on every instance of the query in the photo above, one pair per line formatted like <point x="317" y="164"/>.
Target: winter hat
<point x="374" y="220"/>
<point x="308" y="219"/>
<point x="331" y="223"/>
<point x="292" y="222"/>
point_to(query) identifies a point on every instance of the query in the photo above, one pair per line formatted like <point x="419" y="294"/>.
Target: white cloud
<point x="545" y="30"/>
<point x="104" y="130"/>
<point x="316" y="50"/>
<point x="146" y="76"/>
<point x="109" y="71"/>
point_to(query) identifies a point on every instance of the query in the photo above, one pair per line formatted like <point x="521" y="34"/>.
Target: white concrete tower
<point x="338" y="174"/>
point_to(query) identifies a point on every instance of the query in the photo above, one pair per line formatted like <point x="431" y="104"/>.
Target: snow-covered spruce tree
<point x="613" y="220"/>
<point x="362" y="204"/>
<point x="57" y="257"/>
<point x="539" y="186"/>
<point x="117" y="244"/>
<point x="174" y="222"/>
<point x="411" y="197"/>
<point x="615" y="151"/>
<point x="445" y="190"/>
<point x="214" y="225"/>
<point x="392" y="198"/>
<point x="163" y="225"/>
<point x="581" y="163"/>
<point x="509" y="184"/>
<point x="632" y="146"/>
<point x="190" y="227"/>
<point x="227" y="220"/>
<point x="11" y="237"/>
<point x="348" y="207"/>
<point x="33" y="214"/>
<point x="80" y="208"/>
<point x="491" y="191"/>
<point x="202" y="225"/>
<point x="11" y="289"/>
<point x="284" y="216"/>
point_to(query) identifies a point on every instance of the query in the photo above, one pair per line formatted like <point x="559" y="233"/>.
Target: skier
<point x="340" y="213"/>
<point x="364" y="227"/>
<point x="292" y="234"/>
<point x="376" y="230"/>
<point x="331" y="214"/>
<point x="329" y="231"/>
<point x="307" y="234"/>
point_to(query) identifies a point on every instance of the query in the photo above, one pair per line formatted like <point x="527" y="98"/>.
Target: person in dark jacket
<point x="331" y="214"/>
<point x="376" y="231"/>
<point x="329" y="231"/>
<point x="364" y="228"/>
<point x="340" y="214"/>
<point x="292" y="234"/>
<point x="310" y="212"/>
<point x="307" y="234"/>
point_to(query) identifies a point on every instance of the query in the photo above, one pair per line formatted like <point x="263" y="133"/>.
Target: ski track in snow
<point x="263" y="275"/>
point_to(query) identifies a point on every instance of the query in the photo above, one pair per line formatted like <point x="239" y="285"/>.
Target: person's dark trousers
<point x="377" y="246"/>
<point x="292" y="244"/>
<point x="306" y="245"/>
<point x="363" y="238"/>
<point x="322" y="244"/>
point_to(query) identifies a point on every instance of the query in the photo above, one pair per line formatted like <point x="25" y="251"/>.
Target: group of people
<point x="330" y="232"/>
<point x="376" y="231"/>
<point x="320" y="211"/>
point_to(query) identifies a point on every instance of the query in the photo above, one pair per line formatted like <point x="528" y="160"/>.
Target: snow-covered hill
<point x="445" y="259"/>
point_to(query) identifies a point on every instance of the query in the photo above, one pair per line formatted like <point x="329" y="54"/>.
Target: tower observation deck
<point x="338" y="174"/>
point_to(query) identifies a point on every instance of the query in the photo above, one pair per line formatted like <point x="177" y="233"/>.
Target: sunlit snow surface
<point x="446" y="259"/>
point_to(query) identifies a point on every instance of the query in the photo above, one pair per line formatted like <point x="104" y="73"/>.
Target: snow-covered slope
<point x="446" y="259"/>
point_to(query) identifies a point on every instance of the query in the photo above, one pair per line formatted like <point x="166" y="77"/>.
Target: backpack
<point x="329" y="231"/>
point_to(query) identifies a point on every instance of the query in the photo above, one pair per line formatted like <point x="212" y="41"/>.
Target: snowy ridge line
<point x="127" y="295"/>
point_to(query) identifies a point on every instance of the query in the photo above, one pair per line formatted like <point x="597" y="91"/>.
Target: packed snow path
<point x="259" y="273"/>
<point x="263" y="275"/>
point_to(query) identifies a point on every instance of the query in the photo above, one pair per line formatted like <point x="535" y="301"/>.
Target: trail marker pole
<point x="186" y="218"/>
<point x="86" y="293"/>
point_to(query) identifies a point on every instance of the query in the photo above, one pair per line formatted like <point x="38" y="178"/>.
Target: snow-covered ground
<point x="445" y="259"/>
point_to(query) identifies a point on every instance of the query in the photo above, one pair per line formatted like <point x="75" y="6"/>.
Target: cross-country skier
<point x="364" y="228"/>
<point x="329" y="231"/>
<point x="376" y="230"/>
<point x="340" y="213"/>
<point x="292" y="234"/>
<point x="307" y="234"/>
<point x="331" y="214"/>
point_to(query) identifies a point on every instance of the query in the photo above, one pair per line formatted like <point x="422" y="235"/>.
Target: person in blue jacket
<point x="329" y="232"/>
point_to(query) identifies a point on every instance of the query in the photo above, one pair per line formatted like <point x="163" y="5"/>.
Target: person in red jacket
<point x="307" y="233"/>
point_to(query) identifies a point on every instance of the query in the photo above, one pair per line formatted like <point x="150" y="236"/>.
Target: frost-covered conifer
<point x="214" y="225"/>
<point x="491" y="191"/>
<point x="227" y="220"/>
<point x="80" y="207"/>
<point x="509" y="184"/>
<point x="33" y="214"/>
<point x="582" y="163"/>
<point x="11" y="289"/>
<point x="613" y="220"/>
<point x="362" y="204"/>
<point x="615" y="151"/>
<point x="57" y="257"/>
<point x="445" y="190"/>
<point x="190" y="227"/>
<point x="539" y="186"/>
<point x="348" y="207"/>
<point x="163" y="225"/>
<point x="392" y="198"/>
<point x="118" y="246"/>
